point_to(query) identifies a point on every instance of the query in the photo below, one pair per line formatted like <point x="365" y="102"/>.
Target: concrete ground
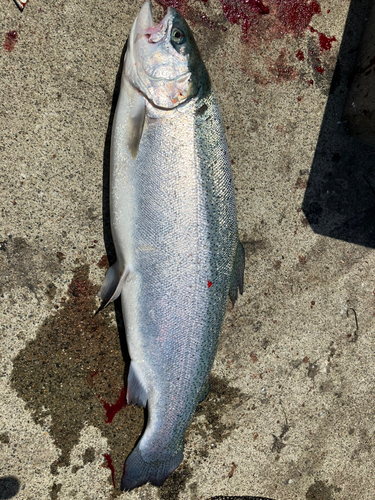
<point x="290" y="413"/>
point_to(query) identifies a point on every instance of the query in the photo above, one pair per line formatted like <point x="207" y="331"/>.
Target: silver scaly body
<point x="173" y="221"/>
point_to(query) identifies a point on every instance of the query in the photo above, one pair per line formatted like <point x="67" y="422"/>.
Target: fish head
<point x="163" y="61"/>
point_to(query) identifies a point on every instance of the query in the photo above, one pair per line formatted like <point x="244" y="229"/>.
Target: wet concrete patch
<point x="238" y="498"/>
<point x="25" y="264"/>
<point x="176" y="483"/>
<point x="222" y="397"/>
<point x="72" y="369"/>
<point x="321" y="491"/>
<point x="4" y="438"/>
<point x="9" y="487"/>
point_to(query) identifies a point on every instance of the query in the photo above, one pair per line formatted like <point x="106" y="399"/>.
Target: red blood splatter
<point x="299" y="98"/>
<point x="312" y="304"/>
<point x="109" y="465"/>
<point x="296" y="15"/>
<point x="262" y="8"/>
<point x="111" y="410"/>
<point x="300" y="55"/>
<point x="319" y="69"/>
<point x="311" y="82"/>
<point x="287" y="16"/>
<point x="192" y="13"/>
<point x="94" y="374"/>
<point x="10" y="40"/>
<point x="325" y="42"/>
<point x="261" y="22"/>
<point x="209" y="284"/>
<point x="243" y="12"/>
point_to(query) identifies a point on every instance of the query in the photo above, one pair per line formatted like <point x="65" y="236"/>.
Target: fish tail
<point x="138" y="471"/>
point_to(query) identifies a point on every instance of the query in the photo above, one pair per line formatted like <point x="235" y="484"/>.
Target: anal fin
<point x="136" y="392"/>
<point x="237" y="274"/>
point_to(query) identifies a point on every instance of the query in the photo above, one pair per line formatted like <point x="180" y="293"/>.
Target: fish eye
<point x="177" y="36"/>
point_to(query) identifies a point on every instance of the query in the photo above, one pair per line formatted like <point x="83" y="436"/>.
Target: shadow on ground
<point x="340" y="196"/>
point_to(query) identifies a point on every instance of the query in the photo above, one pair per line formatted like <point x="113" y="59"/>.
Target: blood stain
<point x="191" y="13"/>
<point x="110" y="466"/>
<point x="296" y="15"/>
<point x="111" y="410"/>
<point x="300" y="55"/>
<point x="325" y="42"/>
<point x="281" y="69"/>
<point x="209" y="284"/>
<point x="261" y="23"/>
<point x="103" y="262"/>
<point x="319" y="69"/>
<point x="243" y="12"/>
<point x="11" y="39"/>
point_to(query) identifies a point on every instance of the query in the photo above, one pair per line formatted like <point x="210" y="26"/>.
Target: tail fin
<point x="138" y="472"/>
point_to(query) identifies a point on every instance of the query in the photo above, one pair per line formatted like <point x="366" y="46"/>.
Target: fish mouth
<point x="154" y="34"/>
<point x="145" y="25"/>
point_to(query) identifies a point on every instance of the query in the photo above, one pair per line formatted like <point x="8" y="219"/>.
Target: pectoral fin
<point x="137" y="120"/>
<point x="237" y="274"/>
<point x="112" y="284"/>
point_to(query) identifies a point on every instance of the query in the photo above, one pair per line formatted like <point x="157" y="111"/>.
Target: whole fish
<point x="173" y="222"/>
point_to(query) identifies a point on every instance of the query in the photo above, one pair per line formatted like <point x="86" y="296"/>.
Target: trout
<point x="174" y="227"/>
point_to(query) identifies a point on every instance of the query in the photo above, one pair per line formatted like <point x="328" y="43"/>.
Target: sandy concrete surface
<point x="290" y="413"/>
